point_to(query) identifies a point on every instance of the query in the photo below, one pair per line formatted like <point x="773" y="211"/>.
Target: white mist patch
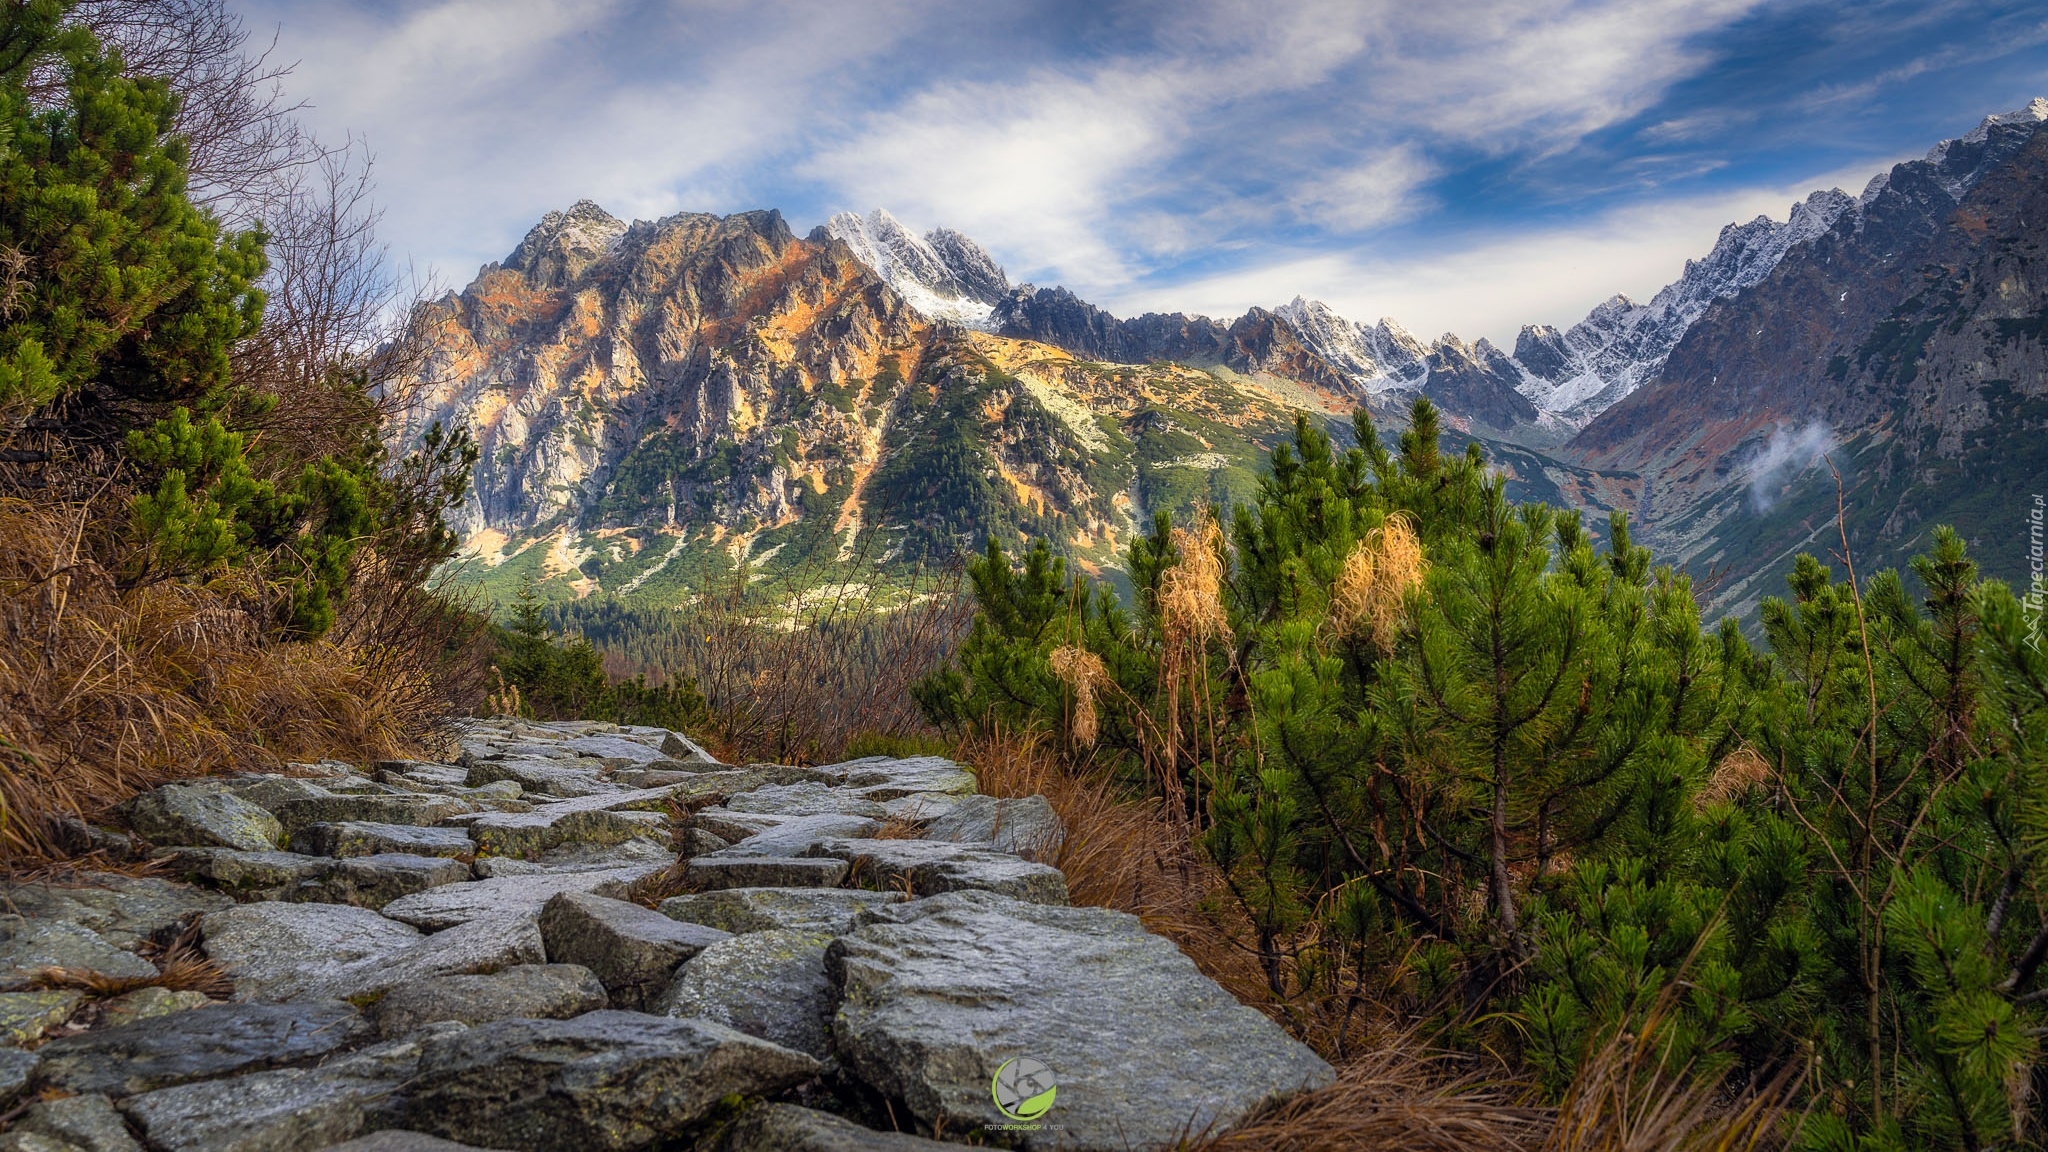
<point x="1789" y="452"/>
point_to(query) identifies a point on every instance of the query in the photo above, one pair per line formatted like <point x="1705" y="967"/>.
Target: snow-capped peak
<point x="1377" y="358"/>
<point x="942" y="274"/>
<point x="1961" y="162"/>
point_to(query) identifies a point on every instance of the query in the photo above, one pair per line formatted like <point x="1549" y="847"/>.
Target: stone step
<point x="739" y="910"/>
<point x="708" y="873"/>
<point x="603" y="1080"/>
<point x="929" y="867"/>
<point x="445" y="907"/>
<point x="366" y="838"/>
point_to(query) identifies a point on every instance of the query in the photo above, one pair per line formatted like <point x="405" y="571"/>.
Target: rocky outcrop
<point x="637" y="371"/>
<point x="552" y="1009"/>
<point x="935" y="995"/>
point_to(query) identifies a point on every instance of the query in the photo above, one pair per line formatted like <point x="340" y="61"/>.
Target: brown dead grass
<point x="106" y="690"/>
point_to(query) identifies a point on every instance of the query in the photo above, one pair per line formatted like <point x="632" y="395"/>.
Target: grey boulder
<point x="718" y="870"/>
<point x="479" y="946"/>
<point x="882" y="779"/>
<point x="766" y="984"/>
<point x="145" y="1003"/>
<point x="795" y="835"/>
<point x="29" y="946"/>
<point x="404" y="808"/>
<point x="600" y="1081"/>
<point x="16" y="1067"/>
<point x="542" y="777"/>
<point x="248" y="875"/>
<point x="202" y="816"/>
<point x="88" y="1122"/>
<point x="126" y="911"/>
<point x="575" y="857"/>
<point x="738" y="910"/>
<point x="1026" y="827"/>
<point x="602" y="819"/>
<point x="805" y="798"/>
<point x="286" y="1110"/>
<point x="633" y="950"/>
<point x="534" y="991"/>
<point x="936" y="994"/>
<point x="202" y="1044"/>
<point x="396" y="1140"/>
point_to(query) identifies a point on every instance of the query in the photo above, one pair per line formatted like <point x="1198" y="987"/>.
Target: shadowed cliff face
<point x="1910" y="341"/>
<point x="595" y="341"/>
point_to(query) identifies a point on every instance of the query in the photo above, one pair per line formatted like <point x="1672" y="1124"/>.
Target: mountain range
<point x="657" y="401"/>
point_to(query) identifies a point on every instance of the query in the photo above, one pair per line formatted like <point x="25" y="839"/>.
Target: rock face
<point x="652" y="324"/>
<point x="770" y="985"/>
<point x="601" y="1080"/>
<point x="538" y="1008"/>
<point x="1905" y="340"/>
<point x="938" y="993"/>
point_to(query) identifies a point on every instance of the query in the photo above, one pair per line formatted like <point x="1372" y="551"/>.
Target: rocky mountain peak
<point x="1960" y="164"/>
<point x="563" y="244"/>
<point x="942" y="274"/>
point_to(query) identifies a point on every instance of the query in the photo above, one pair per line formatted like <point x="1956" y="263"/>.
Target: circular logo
<point x="1023" y="1088"/>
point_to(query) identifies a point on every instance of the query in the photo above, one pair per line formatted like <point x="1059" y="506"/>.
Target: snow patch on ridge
<point x="942" y="274"/>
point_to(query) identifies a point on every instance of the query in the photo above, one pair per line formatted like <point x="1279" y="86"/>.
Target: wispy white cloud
<point x="1132" y="151"/>
<point x="485" y="113"/>
<point x="1787" y="455"/>
<point x="1492" y="286"/>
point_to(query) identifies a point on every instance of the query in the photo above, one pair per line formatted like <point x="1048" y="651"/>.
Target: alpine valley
<point x="659" y="403"/>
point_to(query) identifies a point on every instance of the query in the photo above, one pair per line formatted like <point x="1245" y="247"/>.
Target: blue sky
<point x="1456" y="166"/>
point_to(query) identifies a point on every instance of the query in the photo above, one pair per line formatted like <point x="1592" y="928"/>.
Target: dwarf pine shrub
<point x="1457" y="757"/>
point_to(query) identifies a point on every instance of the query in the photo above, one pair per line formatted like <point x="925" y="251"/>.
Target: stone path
<point x="428" y="956"/>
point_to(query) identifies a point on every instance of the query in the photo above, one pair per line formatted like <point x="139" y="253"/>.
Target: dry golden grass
<point x="1367" y="599"/>
<point x="1626" y="1098"/>
<point x="1397" y="1097"/>
<point x="1082" y="672"/>
<point x="1737" y="773"/>
<point x="1191" y="592"/>
<point x="106" y="690"/>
